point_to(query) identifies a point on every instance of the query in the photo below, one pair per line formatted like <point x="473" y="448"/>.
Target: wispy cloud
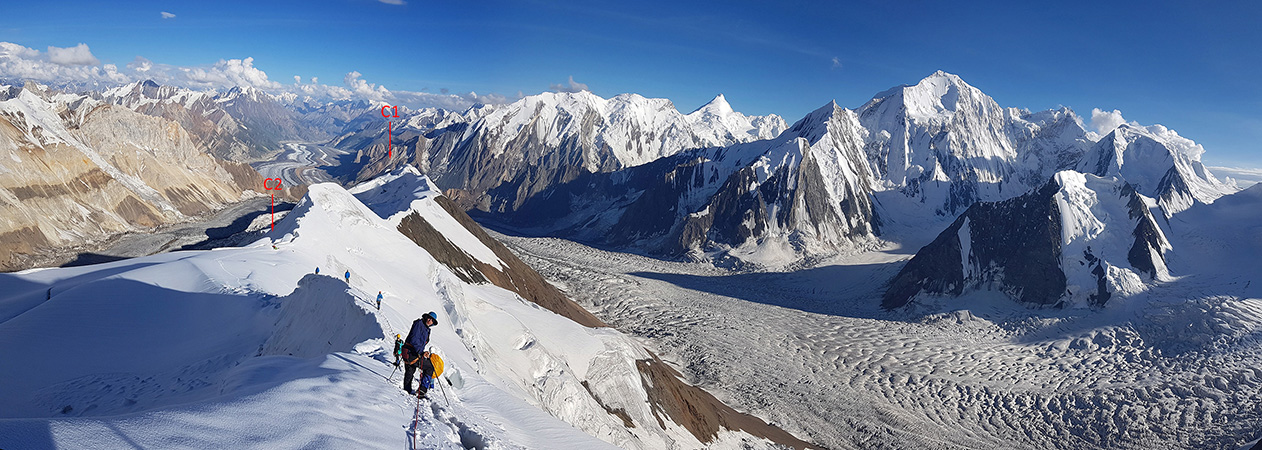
<point x="393" y="2"/>
<point x="167" y="15"/>
<point x="1243" y="177"/>
<point x="836" y="62"/>
<point x="571" y="86"/>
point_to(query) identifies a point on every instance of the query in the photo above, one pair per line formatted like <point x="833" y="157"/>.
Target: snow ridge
<point x="521" y="376"/>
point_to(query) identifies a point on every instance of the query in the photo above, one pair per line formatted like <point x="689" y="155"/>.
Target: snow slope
<point x="248" y="347"/>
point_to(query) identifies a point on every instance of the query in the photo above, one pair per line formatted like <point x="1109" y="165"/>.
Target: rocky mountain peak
<point x="815" y="124"/>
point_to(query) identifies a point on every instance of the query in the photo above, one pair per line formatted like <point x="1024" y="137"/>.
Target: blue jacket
<point x="419" y="335"/>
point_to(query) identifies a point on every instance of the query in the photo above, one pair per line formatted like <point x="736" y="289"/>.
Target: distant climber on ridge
<point x="414" y="354"/>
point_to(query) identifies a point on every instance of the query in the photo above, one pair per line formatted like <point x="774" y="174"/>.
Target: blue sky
<point x="1192" y="68"/>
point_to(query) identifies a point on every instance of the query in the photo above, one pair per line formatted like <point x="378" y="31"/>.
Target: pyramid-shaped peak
<point x="718" y="106"/>
<point x="939" y="94"/>
<point x="815" y="124"/>
<point x="827" y="110"/>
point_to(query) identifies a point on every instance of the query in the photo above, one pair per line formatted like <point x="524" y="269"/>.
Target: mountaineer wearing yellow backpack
<point x="414" y="354"/>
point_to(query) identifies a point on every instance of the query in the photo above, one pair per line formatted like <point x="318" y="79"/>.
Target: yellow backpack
<point x="438" y="363"/>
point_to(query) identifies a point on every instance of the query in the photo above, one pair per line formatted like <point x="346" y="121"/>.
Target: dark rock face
<point x="1016" y="243"/>
<point x="699" y="412"/>
<point x="1016" y="247"/>
<point x="1148" y="238"/>
<point x="516" y="277"/>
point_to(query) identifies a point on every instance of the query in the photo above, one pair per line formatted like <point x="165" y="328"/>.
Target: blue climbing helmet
<point x="432" y="316"/>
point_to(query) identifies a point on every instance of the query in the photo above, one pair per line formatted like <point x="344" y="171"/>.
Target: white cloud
<point x="393" y="2"/>
<point x="78" y="55"/>
<point x="836" y="62"/>
<point x="297" y="79"/>
<point x="112" y="73"/>
<point x="572" y="86"/>
<point x="363" y="88"/>
<point x="21" y="63"/>
<point x="140" y="64"/>
<point x="11" y="50"/>
<point x="230" y="72"/>
<point x="167" y="15"/>
<point x="1105" y="122"/>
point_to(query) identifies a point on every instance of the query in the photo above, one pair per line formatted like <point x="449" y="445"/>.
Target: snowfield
<point x="1175" y="366"/>
<point x="250" y="348"/>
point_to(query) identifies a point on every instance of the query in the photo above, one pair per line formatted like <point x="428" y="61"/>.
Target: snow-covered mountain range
<point x="501" y="156"/>
<point x="837" y="180"/>
<point x="310" y="353"/>
<point x="634" y="173"/>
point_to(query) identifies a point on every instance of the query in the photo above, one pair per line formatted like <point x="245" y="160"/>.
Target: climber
<point x="414" y="354"/>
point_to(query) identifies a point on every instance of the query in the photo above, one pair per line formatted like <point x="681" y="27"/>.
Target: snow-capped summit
<point x="941" y="94"/>
<point x="716" y="107"/>
<point x="947" y="144"/>
<point x="1159" y="163"/>
<point x="807" y="191"/>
